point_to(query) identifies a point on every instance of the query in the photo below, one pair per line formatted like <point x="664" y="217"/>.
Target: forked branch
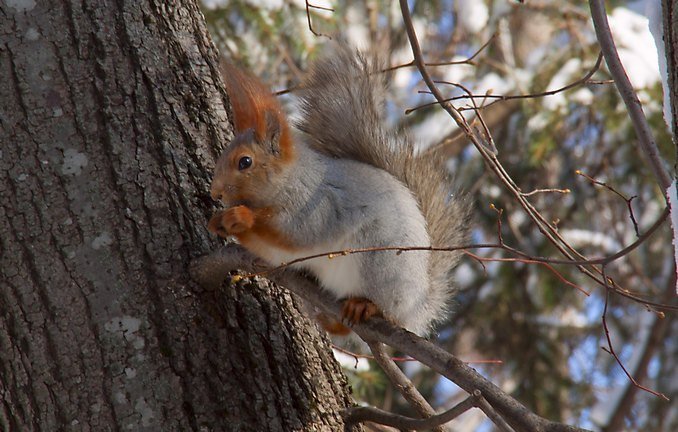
<point x="211" y="269"/>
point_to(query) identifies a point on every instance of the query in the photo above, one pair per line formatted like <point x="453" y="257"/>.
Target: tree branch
<point x="648" y="146"/>
<point x="490" y="158"/>
<point x="362" y="414"/>
<point x="211" y="268"/>
<point x="651" y="342"/>
<point x="403" y="384"/>
<point x="544" y="226"/>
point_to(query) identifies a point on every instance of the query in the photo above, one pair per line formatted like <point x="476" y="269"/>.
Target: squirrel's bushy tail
<point x="342" y="104"/>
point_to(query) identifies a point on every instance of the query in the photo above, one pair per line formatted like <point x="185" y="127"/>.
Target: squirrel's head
<point x="249" y="168"/>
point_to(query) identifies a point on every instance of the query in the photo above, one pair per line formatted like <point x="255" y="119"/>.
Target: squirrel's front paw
<point x="358" y="309"/>
<point x="234" y="220"/>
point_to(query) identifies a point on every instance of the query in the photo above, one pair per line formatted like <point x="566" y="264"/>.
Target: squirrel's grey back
<point x="342" y="104"/>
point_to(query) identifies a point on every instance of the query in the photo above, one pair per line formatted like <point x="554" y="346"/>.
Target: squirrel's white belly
<point x="339" y="274"/>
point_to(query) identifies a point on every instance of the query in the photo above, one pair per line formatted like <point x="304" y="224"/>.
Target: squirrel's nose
<point x="216" y="195"/>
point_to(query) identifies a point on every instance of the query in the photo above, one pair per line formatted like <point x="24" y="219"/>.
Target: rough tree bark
<point x="111" y="116"/>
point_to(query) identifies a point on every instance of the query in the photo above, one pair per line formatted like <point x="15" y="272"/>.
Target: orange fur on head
<point x="251" y="100"/>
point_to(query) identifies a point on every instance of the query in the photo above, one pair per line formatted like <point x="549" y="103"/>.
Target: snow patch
<point x="492" y="83"/>
<point x="301" y="4"/>
<point x="357" y="34"/>
<point x="266" y="4"/>
<point x="464" y="275"/>
<point x="583" y="238"/>
<point x="213" y="4"/>
<point x="672" y="193"/>
<point x="653" y="12"/>
<point x="460" y="72"/>
<point x="583" y="96"/>
<point x="562" y="78"/>
<point x="349" y="362"/>
<point x="434" y="128"/>
<point x="473" y="15"/>
<point x="401" y="78"/>
<point x="538" y="122"/>
<point x="636" y="47"/>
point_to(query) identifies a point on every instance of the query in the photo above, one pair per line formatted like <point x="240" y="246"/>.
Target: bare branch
<point x="500" y="98"/>
<point x="544" y="226"/>
<point x="308" y="18"/>
<point x="206" y="269"/>
<point x="648" y="146"/>
<point x="548" y="266"/>
<point x="653" y="340"/>
<point x="523" y="257"/>
<point x="468" y="60"/>
<point x="492" y="414"/>
<point x="619" y="194"/>
<point x="405" y="359"/>
<point x="362" y="414"/>
<point x="610" y="350"/>
<point x="538" y="191"/>
<point x="403" y="384"/>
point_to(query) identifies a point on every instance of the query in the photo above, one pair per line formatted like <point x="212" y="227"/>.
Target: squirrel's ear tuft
<point x="273" y="131"/>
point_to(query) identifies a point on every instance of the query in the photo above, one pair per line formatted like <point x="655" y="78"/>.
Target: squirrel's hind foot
<point x="358" y="309"/>
<point x="332" y="325"/>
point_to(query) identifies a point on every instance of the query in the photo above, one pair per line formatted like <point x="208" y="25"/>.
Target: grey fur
<point x="342" y="103"/>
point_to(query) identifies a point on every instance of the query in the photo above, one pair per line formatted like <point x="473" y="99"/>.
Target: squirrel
<point x="345" y="181"/>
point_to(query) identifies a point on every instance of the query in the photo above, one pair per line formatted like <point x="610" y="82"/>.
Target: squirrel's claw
<point x="234" y="220"/>
<point x="332" y="325"/>
<point x="358" y="309"/>
<point x="215" y="225"/>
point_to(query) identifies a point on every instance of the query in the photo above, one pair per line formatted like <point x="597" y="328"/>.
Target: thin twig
<point x="468" y="60"/>
<point x="308" y="18"/>
<point x="402" y="383"/>
<point x="655" y="338"/>
<point x="528" y="261"/>
<point x="544" y="226"/>
<point x="376" y="415"/>
<point x="610" y="349"/>
<point x="405" y="359"/>
<point x="501" y="245"/>
<point x="501" y="98"/>
<point x="619" y="194"/>
<point x="647" y="143"/>
<point x="487" y="135"/>
<point x="538" y="191"/>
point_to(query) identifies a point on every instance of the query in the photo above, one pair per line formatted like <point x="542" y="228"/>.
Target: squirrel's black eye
<point x="244" y="163"/>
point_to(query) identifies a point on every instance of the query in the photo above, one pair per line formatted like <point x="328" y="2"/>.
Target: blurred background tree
<point x="538" y="322"/>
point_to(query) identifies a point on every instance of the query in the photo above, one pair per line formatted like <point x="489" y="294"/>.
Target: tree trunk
<point x="670" y="24"/>
<point x="111" y="117"/>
